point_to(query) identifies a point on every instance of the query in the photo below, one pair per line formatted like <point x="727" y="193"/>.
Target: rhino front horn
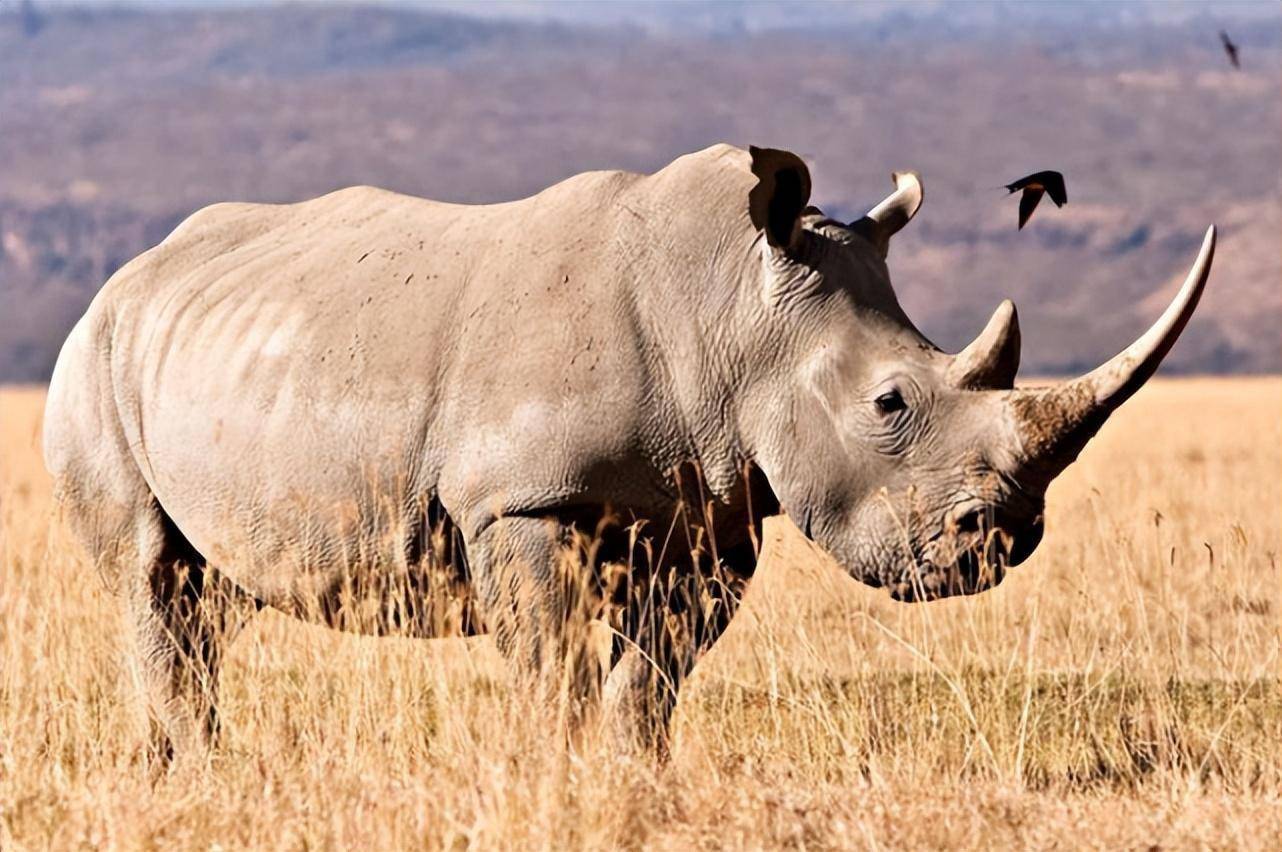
<point x="1055" y="423"/>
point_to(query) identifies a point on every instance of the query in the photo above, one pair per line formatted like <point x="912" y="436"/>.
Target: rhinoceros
<point x="281" y="405"/>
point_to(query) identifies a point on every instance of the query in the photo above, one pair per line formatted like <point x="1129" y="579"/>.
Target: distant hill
<point x="116" y="123"/>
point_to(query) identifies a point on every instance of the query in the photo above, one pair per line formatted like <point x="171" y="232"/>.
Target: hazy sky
<point x="714" y="15"/>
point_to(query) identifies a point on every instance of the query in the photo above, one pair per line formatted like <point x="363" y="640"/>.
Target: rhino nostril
<point x="971" y="522"/>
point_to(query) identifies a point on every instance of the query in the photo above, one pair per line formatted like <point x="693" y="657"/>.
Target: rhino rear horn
<point x="896" y="210"/>
<point x="992" y="359"/>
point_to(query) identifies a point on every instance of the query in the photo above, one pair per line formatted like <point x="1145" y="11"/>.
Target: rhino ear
<point x="895" y="211"/>
<point x="781" y="194"/>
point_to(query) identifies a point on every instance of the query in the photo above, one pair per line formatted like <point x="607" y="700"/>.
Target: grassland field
<point x="1119" y="691"/>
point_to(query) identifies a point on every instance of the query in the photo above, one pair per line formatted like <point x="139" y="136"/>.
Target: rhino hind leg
<point x="183" y="614"/>
<point x="178" y="612"/>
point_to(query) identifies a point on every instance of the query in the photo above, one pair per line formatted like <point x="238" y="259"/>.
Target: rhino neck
<point x="693" y="307"/>
<point x="693" y="347"/>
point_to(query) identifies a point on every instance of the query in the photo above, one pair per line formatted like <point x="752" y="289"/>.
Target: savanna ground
<point x="1120" y="690"/>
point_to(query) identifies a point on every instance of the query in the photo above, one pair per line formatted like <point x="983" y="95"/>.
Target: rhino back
<point x="300" y="376"/>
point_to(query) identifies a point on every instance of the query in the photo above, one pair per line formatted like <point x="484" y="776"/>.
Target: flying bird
<point x="1034" y="186"/>
<point x="1231" y="49"/>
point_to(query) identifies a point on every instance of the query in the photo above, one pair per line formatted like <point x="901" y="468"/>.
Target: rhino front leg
<point x="538" y="611"/>
<point x="668" y="627"/>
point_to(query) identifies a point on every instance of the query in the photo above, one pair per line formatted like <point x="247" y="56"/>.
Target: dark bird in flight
<point x="1034" y="186"/>
<point x="1231" y="49"/>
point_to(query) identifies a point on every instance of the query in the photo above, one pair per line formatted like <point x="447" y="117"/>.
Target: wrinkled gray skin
<point x="279" y="404"/>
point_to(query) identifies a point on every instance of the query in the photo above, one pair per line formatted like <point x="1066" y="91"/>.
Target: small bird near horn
<point x="1034" y="186"/>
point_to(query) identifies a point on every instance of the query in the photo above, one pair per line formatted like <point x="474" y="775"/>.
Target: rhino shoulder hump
<point x="215" y="217"/>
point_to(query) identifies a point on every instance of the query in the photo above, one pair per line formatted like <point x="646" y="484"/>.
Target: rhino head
<point x="917" y="470"/>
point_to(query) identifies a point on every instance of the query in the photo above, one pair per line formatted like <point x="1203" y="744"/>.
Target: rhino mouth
<point x="972" y="557"/>
<point x="973" y="569"/>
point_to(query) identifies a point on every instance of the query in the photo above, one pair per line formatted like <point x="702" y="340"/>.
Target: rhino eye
<point x="890" y="402"/>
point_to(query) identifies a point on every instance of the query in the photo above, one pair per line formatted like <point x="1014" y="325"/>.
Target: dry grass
<point x="1118" y="691"/>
